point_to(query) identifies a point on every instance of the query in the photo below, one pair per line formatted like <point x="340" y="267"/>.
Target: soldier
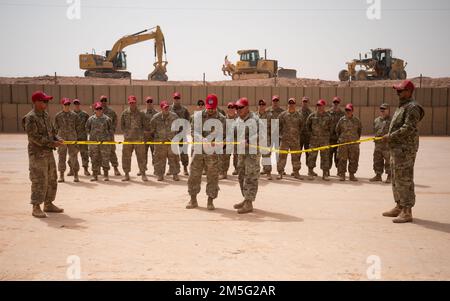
<point x="248" y="163"/>
<point x="200" y="107"/>
<point x="304" y="136"/>
<point x="291" y="125"/>
<point x="160" y="130"/>
<point x="202" y="159"/>
<point x="42" y="140"/>
<point x="111" y="114"/>
<point x="99" y="128"/>
<point x="336" y="114"/>
<point x="318" y="125"/>
<point x="82" y="135"/>
<point x="403" y="139"/>
<point x="348" y="129"/>
<point x="132" y="125"/>
<point x="381" y="155"/>
<point x="66" y="125"/>
<point x="183" y="113"/>
<point x="262" y="113"/>
<point x="149" y="113"/>
<point x="230" y="115"/>
<point x="274" y="111"/>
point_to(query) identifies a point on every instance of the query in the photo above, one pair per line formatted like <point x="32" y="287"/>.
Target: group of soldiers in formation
<point x="299" y="129"/>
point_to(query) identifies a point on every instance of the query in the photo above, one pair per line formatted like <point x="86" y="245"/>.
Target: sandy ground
<point x="299" y="230"/>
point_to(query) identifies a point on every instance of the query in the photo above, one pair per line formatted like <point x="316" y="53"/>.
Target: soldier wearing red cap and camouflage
<point x="99" y="127"/>
<point x="203" y="160"/>
<point x="230" y="115"/>
<point x="304" y="136"/>
<point x="82" y="135"/>
<point x="318" y="125"/>
<point x="264" y="114"/>
<point x="161" y="131"/>
<point x="348" y="129"/>
<point x="149" y="113"/>
<point x="113" y="116"/>
<point x="182" y="112"/>
<point x="403" y="139"/>
<point x="132" y="124"/>
<point x="381" y="153"/>
<point x="67" y="125"/>
<point x="42" y="140"/>
<point x="336" y="114"/>
<point x="274" y="111"/>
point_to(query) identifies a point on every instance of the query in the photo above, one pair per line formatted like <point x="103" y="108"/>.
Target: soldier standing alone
<point x="381" y="154"/>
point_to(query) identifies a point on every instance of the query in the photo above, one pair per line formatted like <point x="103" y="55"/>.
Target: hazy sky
<point x="314" y="37"/>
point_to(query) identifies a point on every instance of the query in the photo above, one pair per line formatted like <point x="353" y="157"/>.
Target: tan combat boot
<point x="248" y="207"/>
<point x="192" y="203"/>
<point x="94" y="177"/>
<point x="186" y="173"/>
<point x="126" y="177"/>
<point x="235" y="172"/>
<point x="393" y="212"/>
<point x="210" y="205"/>
<point x="116" y="171"/>
<point x="61" y="177"/>
<point x="144" y="177"/>
<point x="160" y="178"/>
<point x="353" y="178"/>
<point x="341" y="177"/>
<point x="52" y="208"/>
<point x="105" y="176"/>
<point x="222" y="176"/>
<point x="388" y="179"/>
<point x="71" y="173"/>
<point x="239" y="205"/>
<point x="269" y="176"/>
<point x="377" y="178"/>
<point x="37" y="212"/>
<point x="404" y="217"/>
<point x="75" y="177"/>
<point x="280" y="176"/>
<point x="86" y="172"/>
<point x="176" y="178"/>
<point x="297" y="175"/>
<point x="325" y="175"/>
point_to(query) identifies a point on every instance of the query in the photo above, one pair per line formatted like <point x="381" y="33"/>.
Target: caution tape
<point x="270" y="149"/>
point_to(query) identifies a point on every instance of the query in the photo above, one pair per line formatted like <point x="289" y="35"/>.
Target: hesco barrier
<point x="15" y="100"/>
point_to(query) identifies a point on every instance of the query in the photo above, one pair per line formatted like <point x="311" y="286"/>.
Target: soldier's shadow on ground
<point x="85" y="184"/>
<point x="257" y="216"/>
<point x="63" y="221"/>
<point x="443" y="227"/>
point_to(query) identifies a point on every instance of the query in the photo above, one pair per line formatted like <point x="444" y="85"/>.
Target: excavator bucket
<point x="159" y="74"/>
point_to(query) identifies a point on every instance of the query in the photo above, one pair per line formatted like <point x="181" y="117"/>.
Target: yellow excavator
<point x="114" y="63"/>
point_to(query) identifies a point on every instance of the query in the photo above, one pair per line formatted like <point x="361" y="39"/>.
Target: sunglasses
<point x="262" y="104"/>
<point x="149" y="101"/>
<point x="98" y="109"/>
<point x="336" y="102"/>
<point x="240" y="108"/>
<point x="176" y="98"/>
<point x="347" y="110"/>
<point x="201" y="105"/>
<point x="275" y="100"/>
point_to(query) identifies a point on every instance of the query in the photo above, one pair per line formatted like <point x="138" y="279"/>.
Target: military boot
<point x="262" y="172"/>
<point x="393" y="212"/>
<point x="176" y="178"/>
<point x="341" y="176"/>
<point x="269" y="176"/>
<point x="280" y="176"/>
<point x="139" y="174"/>
<point x="297" y="175"/>
<point x="75" y="177"/>
<point x="326" y="175"/>
<point x="168" y="173"/>
<point x="61" y="177"/>
<point x="404" y="217"/>
<point x="116" y="171"/>
<point x="353" y="178"/>
<point x="210" y="205"/>
<point x="37" y="212"/>
<point x="126" y="177"/>
<point x="311" y="172"/>
<point x="186" y="173"/>
<point x="105" y="175"/>
<point x="70" y="174"/>
<point x="235" y="172"/>
<point x="86" y="172"/>
<point x="144" y="177"/>
<point x="94" y="177"/>
<point x="388" y="179"/>
<point x="377" y="178"/>
<point x="239" y="205"/>
<point x="52" y="208"/>
<point x="248" y="207"/>
<point x="192" y="203"/>
<point x="160" y="178"/>
<point x="222" y="176"/>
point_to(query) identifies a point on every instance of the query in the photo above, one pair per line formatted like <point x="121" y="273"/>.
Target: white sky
<point x="314" y="37"/>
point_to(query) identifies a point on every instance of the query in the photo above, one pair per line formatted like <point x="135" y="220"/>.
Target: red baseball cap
<point x="98" y="105"/>
<point x="337" y="98"/>
<point x="292" y="100"/>
<point x="103" y="97"/>
<point x="211" y="101"/>
<point x="349" y="107"/>
<point x="76" y="101"/>
<point x="405" y="85"/>
<point x="164" y="104"/>
<point x="131" y="99"/>
<point x="40" y="96"/>
<point x="321" y="102"/>
<point x="176" y="95"/>
<point x="231" y="104"/>
<point x="242" y="102"/>
<point x="149" y="99"/>
<point x="275" y="97"/>
<point x="66" y="101"/>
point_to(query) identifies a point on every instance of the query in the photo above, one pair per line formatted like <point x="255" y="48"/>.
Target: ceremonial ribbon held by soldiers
<point x="314" y="149"/>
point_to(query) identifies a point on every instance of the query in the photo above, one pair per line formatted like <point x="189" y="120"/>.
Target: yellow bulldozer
<point x="252" y="66"/>
<point x="114" y="64"/>
<point x="381" y="65"/>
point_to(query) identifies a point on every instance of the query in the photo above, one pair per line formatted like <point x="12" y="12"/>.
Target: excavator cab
<point x="120" y="61"/>
<point x="250" y="56"/>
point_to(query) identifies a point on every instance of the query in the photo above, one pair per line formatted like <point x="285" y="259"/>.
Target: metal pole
<point x="204" y="79"/>
<point x="56" y="79"/>
<point x="420" y="85"/>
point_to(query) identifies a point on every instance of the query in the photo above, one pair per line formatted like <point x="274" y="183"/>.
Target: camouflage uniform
<point x="291" y="125"/>
<point x="132" y="125"/>
<point x="67" y="125"/>
<point x="160" y="130"/>
<point x="404" y="144"/>
<point x="99" y="129"/>
<point x="274" y="114"/>
<point x="319" y="127"/>
<point x="381" y="154"/>
<point x="113" y="116"/>
<point x="267" y="116"/>
<point x="42" y="166"/>
<point x="82" y="136"/>
<point x="348" y="129"/>
<point x="248" y="165"/>
<point x="224" y="160"/>
<point x="305" y="135"/>
<point x="147" y="137"/>
<point x="335" y="117"/>
<point x="182" y="112"/>
<point x="203" y="161"/>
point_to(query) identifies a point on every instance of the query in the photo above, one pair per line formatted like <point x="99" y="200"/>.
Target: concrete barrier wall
<point x="15" y="100"/>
